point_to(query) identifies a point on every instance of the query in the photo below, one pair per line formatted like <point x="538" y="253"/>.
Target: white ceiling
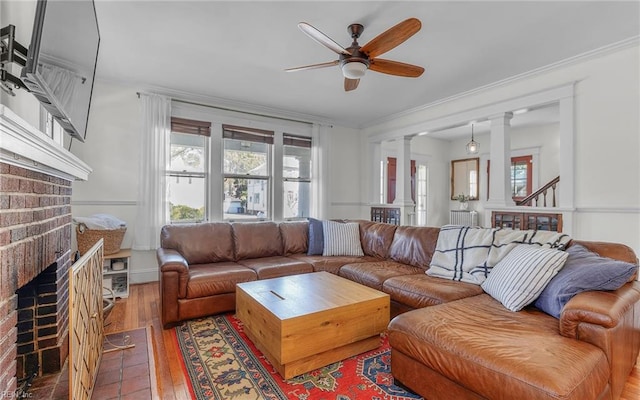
<point x="238" y="50"/>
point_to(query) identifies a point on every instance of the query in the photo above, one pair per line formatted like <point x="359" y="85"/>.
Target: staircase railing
<point x="552" y="184"/>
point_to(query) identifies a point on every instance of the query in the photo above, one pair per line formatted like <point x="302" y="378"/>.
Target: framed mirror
<point x="464" y="178"/>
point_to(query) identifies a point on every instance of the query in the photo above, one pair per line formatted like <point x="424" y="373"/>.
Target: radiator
<point x="463" y="217"/>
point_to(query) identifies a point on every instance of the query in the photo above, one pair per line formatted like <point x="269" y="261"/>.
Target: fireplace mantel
<point x="23" y="145"/>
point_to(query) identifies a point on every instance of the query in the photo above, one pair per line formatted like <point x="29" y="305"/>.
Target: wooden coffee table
<point x="304" y="322"/>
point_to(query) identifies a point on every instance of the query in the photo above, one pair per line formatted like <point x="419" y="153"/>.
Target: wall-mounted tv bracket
<point x="12" y="52"/>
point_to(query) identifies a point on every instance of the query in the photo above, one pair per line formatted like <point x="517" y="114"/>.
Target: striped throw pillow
<point x="519" y="278"/>
<point x="341" y="239"/>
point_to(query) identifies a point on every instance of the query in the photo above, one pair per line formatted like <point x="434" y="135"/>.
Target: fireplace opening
<point x="38" y="327"/>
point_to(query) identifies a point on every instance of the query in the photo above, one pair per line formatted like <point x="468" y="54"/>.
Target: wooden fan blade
<point x="350" y="84"/>
<point x="392" y="37"/>
<point x="321" y="38"/>
<point x="395" y="68"/>
<point x="313" y="66"/>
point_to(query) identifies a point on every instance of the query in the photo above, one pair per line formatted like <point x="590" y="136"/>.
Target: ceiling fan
<point x="355" y="60"/>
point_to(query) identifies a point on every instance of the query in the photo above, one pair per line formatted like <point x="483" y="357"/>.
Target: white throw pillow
<point x="519" y="278"/>
<point x="341" y="239"/>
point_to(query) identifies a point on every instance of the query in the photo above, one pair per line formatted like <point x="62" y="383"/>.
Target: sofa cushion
<point x="212" y="279"/>
<point x="316" y="237"/>
<point x="496" y="353"/>
<point x="414" y="245"/>
<point x="294" y="237"/>
<point x="330" y="264"/>
<point x="256" y="239"/>
<point x="341" y="239"/>
<point x="422" y="290"/>
<point x="275" y="267"/>
<point x="519" y="278"/>
<point x="208" y="242"/>
<point x="583" y="271"/>
<point x="376" y="238"/>
<point x="374" y="273"/>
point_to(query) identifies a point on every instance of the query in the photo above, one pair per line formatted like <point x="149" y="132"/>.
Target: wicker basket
<point x="88" y="237"/>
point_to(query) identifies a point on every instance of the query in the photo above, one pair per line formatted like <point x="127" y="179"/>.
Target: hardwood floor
<point x="142" y="309"/>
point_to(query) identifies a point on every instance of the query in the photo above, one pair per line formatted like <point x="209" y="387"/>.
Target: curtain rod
<point x="193" y="103"/>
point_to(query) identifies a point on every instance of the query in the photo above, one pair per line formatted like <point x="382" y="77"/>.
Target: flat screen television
<point x="61" y="61"/>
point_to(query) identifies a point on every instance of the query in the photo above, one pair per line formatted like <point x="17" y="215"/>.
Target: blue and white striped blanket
<point x="468" y="254"/>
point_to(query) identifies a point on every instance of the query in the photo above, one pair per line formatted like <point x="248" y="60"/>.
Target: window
<point x="296" y="176"/>
<point x="421" y="198"/>
<point x="247" y="172"/>
<point x="187" y="174"/>
<point x="473" y="181"/>
<point x="50" y="126"/>
<point x="521" y="177"/>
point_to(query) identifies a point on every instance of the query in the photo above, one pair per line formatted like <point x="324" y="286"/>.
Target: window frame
<point x="241" y="133"/>
<point x="294" y="140"/>
<point x="528" y="159"/>
<point x="183" y="126"/>
<point x="223" y="116"/>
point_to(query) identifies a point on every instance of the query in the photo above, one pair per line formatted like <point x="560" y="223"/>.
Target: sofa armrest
<point x="173" y="275"/>
<point x="602" y="308"/>
<point x="171" y="260"/>
<point x="609" y="320"/>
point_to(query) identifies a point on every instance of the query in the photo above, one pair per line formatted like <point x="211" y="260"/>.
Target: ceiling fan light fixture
<point x="354" y="69"/>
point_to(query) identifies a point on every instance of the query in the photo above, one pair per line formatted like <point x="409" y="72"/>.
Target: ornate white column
<point x="403" y="181"/>
<point x="500" y="155"/>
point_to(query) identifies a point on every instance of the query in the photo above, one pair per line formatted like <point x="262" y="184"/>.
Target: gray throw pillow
<point x="583" y="271"/>
<point x="316" y="238"/>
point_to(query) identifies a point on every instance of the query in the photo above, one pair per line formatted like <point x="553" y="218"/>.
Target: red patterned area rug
<point x="220" y="362"/>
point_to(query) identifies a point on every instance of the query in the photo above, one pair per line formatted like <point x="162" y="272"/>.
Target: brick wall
<point x="35" y="233"/>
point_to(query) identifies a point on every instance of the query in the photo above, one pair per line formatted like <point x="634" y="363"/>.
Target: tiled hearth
<point x="36" y="174"/>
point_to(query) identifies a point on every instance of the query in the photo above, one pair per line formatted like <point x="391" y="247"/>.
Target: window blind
<point x="190" y="126"/>
<point x="248" y="134"/>
<point x="295" y="140"/>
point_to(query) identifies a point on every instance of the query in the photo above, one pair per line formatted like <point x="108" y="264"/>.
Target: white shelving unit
<point x="115" y="273"/>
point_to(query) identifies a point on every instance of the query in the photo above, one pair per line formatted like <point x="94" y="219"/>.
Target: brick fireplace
<point x="36" y="174"/>
<point x="35" y="253"/>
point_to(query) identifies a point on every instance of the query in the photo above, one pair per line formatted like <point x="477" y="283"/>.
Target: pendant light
<point x="472" y="146"/>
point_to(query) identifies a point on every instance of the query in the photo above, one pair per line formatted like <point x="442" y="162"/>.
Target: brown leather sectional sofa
<point x="449" y="340"/>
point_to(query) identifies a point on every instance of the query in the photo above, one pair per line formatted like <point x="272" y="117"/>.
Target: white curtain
<point x="319" y="176"/>
<point x="152" y="205"/>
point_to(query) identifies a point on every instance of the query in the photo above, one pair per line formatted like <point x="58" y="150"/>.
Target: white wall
<point x="111" y="149"/>
<point x="346" y="194"/>
<point x="607" y="140"/>
<point x="437" y="152"/>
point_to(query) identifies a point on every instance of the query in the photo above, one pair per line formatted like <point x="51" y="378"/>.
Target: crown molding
<point x="229" y="104"/>
<point x="599" y="52"/>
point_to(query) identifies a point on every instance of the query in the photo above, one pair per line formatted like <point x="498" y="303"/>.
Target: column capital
<point x="503" y="118"/>
<point x="405" y="139"/>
